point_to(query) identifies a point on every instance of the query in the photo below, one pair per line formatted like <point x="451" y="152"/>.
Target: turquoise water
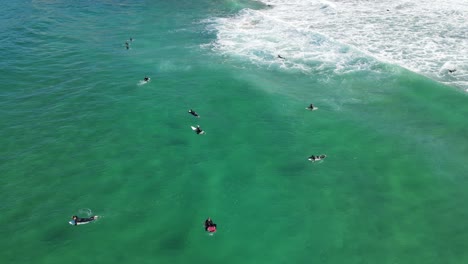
<point x="79" y="133"/>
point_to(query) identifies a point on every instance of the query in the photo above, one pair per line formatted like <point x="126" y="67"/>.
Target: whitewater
<point x="426" y="37"/>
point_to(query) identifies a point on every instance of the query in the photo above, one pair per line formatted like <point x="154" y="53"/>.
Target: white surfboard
<point x="315" y="108"/>
<point x="71" y="222"/>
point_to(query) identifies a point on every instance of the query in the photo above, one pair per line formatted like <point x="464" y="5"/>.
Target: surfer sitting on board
<point x="77" y="219"/>
<point x="311" y="107"/>
<point x="193" y="113"/>
<point x="209" y="225"/>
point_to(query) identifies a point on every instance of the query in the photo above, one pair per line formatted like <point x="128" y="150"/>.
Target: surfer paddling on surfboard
<point x="193" y="113"/>
<point x="79" y="221"/>
<point x="210" y="226"/>
<point x="146" y="79"/>
<point x="198" y="130"/>
<point x="317" y="158"/>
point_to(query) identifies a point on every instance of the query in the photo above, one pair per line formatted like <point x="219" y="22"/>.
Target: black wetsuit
<point x="83" y="220"/>
<point x="193" y="113"/>
<point x="199" y="131"/>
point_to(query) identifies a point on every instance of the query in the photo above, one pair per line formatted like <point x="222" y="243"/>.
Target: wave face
<point x="426" y="37"/>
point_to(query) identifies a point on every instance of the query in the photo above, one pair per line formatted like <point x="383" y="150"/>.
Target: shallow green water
<point x="77" y="131"/>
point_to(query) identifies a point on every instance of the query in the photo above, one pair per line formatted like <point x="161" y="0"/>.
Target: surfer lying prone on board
<point x="146" y="79"/>
<point x="193" y="113"/>
<point x="79" y="221"/>
<point x="198" y="130"/>
<point x="210" y="226"/>
<point x="317" y="158"/>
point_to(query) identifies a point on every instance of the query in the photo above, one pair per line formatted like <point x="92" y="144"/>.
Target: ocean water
<point x="81" y="134"/>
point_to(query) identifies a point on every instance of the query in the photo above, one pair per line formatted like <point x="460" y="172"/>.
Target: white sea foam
<point x="142" y="82"/>
<point x="426" y="36"/>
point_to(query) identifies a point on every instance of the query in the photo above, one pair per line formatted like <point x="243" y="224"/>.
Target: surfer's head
<point x="74" y="217"/>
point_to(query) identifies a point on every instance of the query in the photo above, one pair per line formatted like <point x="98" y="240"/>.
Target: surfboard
<point x="71" y="222"/>
<point x="315" y="108"/>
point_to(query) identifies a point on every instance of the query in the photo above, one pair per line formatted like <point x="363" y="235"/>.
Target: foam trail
<point x="427" y="37"/>
<point x="142" y="82"/>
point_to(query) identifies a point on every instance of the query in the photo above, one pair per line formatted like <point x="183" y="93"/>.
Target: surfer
<point x="127" y="46"/>
<point x="198" y="130"/>
<point x="209" y="225"/>
<point x="77" y="219"/>
<point x="452" y="71"/>
<point x="146" y="79"/>
<point x="131" y="39"/>
<point x="193" y="113"/>
<point x="280" y="57"/>
<point x="316" y="158"/>
<point x="311" y="107"/>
